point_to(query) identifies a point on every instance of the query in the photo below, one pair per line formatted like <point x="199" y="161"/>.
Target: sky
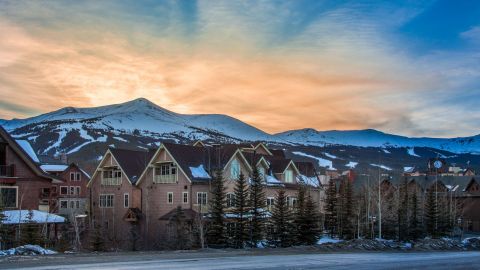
<point x="405" y="67"/>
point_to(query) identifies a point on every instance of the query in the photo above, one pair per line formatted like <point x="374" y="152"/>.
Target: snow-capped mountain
<point x="85" y="133"/>
<point x="375" y="138"/>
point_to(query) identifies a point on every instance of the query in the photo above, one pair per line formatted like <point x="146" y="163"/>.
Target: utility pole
<point x="379" y="207"/>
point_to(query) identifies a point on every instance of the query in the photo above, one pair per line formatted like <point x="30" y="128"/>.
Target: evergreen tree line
<point x="249" y="224"/>
<point x="405" y="212"/>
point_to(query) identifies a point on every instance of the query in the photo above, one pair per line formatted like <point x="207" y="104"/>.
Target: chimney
<point x="64" y="158"/>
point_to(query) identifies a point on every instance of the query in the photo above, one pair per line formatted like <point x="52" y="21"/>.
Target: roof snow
<point x="199" y="172"/>
<point x="310" y="181"/>
<point x="411" y="152"/>
<point x="351" y="164"/>
<point x="22" y="216"/>
<point x="53" y="167"/>
<point x="321" y="162"/>
<point x="381" y="166"/>
<point x="272" y="180"/>
<point x="28" y="149"/>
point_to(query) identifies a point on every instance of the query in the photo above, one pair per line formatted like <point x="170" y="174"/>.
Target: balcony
<point x="7" y="170"/>
<point x="165" y="179"/>
<point x="116" y="181"/>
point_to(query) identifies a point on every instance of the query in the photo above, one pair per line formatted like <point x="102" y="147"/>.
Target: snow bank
<point x="21" y="216"/>
<point x="199" y="172"/>
<point x="28" y="149"/>
<point x="327" y="239"/>
<point x="27" y="250"/>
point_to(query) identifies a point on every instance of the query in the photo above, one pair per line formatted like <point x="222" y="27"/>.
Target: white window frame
<point x="126" y="200"/>
<point x="77" y="204"/>
<point x="78" y="190"/>
<point x="76" y="176"/>
<point x="168" y="173"/>
<point x="106" y="205"/>
<point x="200" y="199"/>
<point x="185" y="197"/>
<point x="60" y="203"/>
<point x="169" y="195"/>
<point x="272" y="204"/>
<point x="68" y="190"/>
<point x="16" y="194"/>
<point x="71" y="190"/>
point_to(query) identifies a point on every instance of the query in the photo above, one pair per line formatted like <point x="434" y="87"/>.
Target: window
<point x="72" y="190"/>
<point x="165" y="173"/>
<point x="77" y="204"/>
<point x="289" y="176"/>
<point x="185" y="197"/>
<point x="106" y="200"/>
<point x="77" y="190"/>
<point x="74" y="176"/>
<point x="235" y="169"/>
<point x="261" y="171"/>
<point x="291" y="202"/>
<point x="170" y="197"/>
<point x="63" y="204"/>
<point x="72" y="204"/>
<point x="230" y="200"/>
<point x="126" y="200"/>
<point x="202" y="198"/>
<point x="270" y="203"/>
<point x="63" y="190"/>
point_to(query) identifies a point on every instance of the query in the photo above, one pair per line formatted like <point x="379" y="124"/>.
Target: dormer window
<point x="288" y="176"/>
<point x="235" y="169"/>
<point x="165" y="173"/>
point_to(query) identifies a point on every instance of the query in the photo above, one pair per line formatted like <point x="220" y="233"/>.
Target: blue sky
<point x="405" y="67"/>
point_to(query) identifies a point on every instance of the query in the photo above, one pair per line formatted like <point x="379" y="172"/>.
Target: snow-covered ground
<point x="381" y="166"/>
<point x="411" y="152"/>
<point x="321" y="161"/>
<point x="351" y="164"/>
<point x="27" y="250"/>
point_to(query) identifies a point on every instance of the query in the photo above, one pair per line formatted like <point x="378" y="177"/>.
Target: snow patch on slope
<point x="321" y="162"/>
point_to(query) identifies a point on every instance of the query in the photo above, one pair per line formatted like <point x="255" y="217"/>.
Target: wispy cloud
<point x="276" y="64"/>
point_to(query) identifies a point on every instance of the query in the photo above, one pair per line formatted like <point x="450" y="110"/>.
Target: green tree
<point x="347" y="230"/>
<point x="415" y="230"/>
<point x="216" y="231"/>
<point x="257" y="204"/>
<point x="30" y="231"/>
<point x="431" y="213"/>
<point x="182" y="235"/>
<point x="311" y="230"/>
<point x="281" y="233"/>
<point x="300" y="216"/>
<point x="403" y="227"/>
<point x="330" y="208"/>
<point x="241" y="212"/>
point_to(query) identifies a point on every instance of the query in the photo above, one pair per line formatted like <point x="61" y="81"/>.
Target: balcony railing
<point x="7" y="170"/>
<point x="165" y="179"/>
<point x="112" y="181"/>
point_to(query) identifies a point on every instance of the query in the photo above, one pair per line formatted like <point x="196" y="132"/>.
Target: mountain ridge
<point x="70" y="128"/>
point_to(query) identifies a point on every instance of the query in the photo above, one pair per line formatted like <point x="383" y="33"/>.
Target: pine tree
<point x="311" y="231"/>
<point x="346" y="213"/>
<point x="403" y="211"/>
<point x="257" y="204"/>
<point x="415" y="231"/>
<point x="431" y="213"/>
<point x="30" y="231"/>
<point x="330" y="208"/>
<point x="97" y="239"/>
<point x="241" y="212"/>
<point x="216" y="232"/>
<point x="282" y="227"/>
<point x="300" y="217"/>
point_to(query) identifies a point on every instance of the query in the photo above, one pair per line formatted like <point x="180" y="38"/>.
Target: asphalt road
<point x="239" y="260"/>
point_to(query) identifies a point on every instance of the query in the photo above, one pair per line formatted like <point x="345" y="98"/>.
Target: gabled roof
<point x="24" y="155"/>
<point x="188" y="156"/>
<point x="306" y="168"/>
<point x="132" y="162"/>
<point x="189" y="214"/>
<point x="278" y="153"/>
